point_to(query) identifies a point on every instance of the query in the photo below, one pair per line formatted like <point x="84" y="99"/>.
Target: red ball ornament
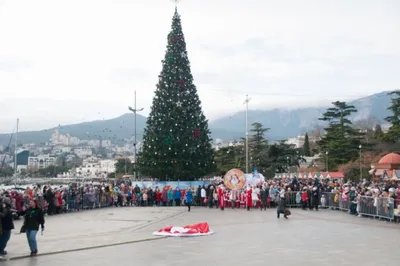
<point x="181" y="83"/>
<point x="174" y="38"/>
<point x="196" y="133"/>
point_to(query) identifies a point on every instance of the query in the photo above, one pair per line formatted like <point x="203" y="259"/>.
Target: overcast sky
<point x="70" y="61"/>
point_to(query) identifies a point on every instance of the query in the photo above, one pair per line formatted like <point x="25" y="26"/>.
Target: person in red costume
<point x="249" y="202"/>
<point x="221" y="198"/>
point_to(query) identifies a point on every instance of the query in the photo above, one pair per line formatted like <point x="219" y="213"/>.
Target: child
<point x="298" y="198"/>
<point x="323" y="201"/>
<point x="138" y="199"/>
<point x="145" y="197"/>
<point x="134" y="199"/>
<point x="304" y="199"/>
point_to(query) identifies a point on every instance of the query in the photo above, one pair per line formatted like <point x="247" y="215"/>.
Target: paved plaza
<point x="241" y="238"/>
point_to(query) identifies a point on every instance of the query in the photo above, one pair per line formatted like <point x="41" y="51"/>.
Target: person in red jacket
<point x="158" y="197"/>
<point x="249" y="202"/>
<point x="221" y="198"/>
<point x="304" y="199"/>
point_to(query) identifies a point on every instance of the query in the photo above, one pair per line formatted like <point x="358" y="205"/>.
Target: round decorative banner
<point x="234" y="179"/>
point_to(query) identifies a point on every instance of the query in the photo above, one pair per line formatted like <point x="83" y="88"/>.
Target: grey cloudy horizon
<point x="64" y="62"/>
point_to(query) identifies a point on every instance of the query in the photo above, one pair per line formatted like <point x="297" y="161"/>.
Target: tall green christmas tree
<point x="176" y="141"/>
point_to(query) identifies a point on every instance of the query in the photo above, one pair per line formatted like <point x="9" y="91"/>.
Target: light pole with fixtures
<point x="288" y="166"/>
<point x="326" y="163"/>
<point x="247" y="134"/>
<point x="134" y="111"/>
<point x="361" y="174"/>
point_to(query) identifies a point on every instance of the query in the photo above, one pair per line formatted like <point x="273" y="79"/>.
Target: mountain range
<point x="283" y="123"/>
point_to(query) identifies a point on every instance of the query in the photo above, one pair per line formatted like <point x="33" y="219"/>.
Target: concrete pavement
<point x="91" y="228"/>
<point x="251" y="238"/>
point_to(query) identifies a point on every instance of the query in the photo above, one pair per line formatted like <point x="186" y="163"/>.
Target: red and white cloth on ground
<point x="201" y="229"/>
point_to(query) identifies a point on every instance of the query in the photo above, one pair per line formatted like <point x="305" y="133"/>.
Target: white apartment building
<point x="94" y="143"/>
<point x="41" y="161"/>
<point x="100" y="168"/>
<point x="298" y="141"/>
<point x="61" y="139"/>
<point x="83" y="152"/>
<point x="107" y="166"/>
<point x="106" y="143"/>
<point x="309" y="161"/>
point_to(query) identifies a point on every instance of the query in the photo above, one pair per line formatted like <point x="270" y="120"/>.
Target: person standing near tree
<point x="281" y="204"/>
<point x="203" y="195"/>
<point x="7" y="224"/>
<point x="33" y="219"/>
<point x="189" y="198"/>
<point x="249" y="202"/>
<point x="177" y="196"/>
<point x="263" y="198"/>
<point x="221" y="199"/>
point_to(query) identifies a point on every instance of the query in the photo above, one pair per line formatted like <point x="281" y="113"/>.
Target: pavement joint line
<point x="87" y="248"/>
<point x="160" y="220"/>
<point x="105" y="245"/>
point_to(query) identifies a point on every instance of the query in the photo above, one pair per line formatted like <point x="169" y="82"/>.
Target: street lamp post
<point x="134" y="111"/>
<point x="288" y="164"/>
<point x="361" y="173"/>
<point x="326" y="163"/>
<point x="247" y="133"/>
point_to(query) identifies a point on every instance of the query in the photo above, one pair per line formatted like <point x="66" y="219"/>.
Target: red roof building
<point x="388" y="162"/>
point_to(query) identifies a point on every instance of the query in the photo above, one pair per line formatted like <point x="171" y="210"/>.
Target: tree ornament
<point x="174" y="38"/>
<point x="181" y="83"/>
<point x="168" y="140"/>
<point x="196" y="133"/>
<point x="171" y="59"/>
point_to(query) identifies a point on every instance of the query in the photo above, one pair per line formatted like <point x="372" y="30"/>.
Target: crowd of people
<point x="361" y="199"/>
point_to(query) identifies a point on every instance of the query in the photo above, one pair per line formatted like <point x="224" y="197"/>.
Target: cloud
<point x="95" y="53"/>
<point x="9" y="64"/>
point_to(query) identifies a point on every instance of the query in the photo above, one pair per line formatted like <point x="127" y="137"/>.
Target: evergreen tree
<point x="393" y="134"/>
<point x="124" y="166"/>
<point x="176" y="142"/>
<point x="341" y="140"/>
<point x="258" y="146"/>
<point x="230" y="157"/>
<point x="378" y="132"/>
<point x="282" y="156"/>
<point x="306" y="146"/>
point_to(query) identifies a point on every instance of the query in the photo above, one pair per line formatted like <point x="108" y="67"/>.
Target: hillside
<point x="283" y="123"/>
<point x="289" y="123"/>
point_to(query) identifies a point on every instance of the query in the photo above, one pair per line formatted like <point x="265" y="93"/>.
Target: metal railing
<point x="376" y="207"/>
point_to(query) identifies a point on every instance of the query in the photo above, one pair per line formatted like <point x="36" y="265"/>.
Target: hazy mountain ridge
<point x="284" y="123"/>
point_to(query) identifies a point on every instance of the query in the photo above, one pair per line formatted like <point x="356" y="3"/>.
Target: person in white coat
<point x="203" y="196"/>
<point x="254" y="196"/>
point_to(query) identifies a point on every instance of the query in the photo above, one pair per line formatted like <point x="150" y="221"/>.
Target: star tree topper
<point x="176" y="2"/>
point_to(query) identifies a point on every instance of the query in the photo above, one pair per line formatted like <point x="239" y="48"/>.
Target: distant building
<point x="106" y="143"/>
<point x="309" y="161"/>
<point x="94" y="143"/>
<point x="298" y="141"/>
<point x="96" y="168"/>
<point x="23" y="157"/>
<point x="83" y="152"/>
<point x="61" y="139"/>
<point x="41" y="161"/>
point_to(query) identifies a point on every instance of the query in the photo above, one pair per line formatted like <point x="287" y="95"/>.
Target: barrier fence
<point x="376" y="207"/>
<point x="380" y="207"/>
<point x="81" y="201"/>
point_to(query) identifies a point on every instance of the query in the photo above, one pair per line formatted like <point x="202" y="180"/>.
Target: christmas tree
<point x="176" y="142"/>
